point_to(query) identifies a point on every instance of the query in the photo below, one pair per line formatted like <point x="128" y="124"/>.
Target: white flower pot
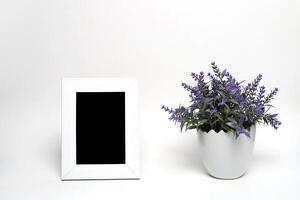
<point x="223" y="155"/>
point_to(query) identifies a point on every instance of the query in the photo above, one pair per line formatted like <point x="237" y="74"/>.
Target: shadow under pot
<point x="224" y="155"/>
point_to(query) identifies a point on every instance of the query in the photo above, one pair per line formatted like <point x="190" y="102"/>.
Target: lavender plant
<point x="223" y="103"/>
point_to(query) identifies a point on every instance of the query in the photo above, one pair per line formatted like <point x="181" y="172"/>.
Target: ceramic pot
<point x="223" y="155"/>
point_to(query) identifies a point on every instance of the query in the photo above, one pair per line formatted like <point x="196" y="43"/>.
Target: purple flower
<point x="274" y="115"/>
<point x="261" y="95"/>
<point x="174" y="116"/>
<point x="212" y="111"/>
<point x="231" y="89"/>
<point x="259" y="102"/>
<point x="173" y="113"/>
<point x="225" y="73"/>
<point x="187" y="87"/>
<point x="213" y="83"/>
<point x="223" y="102"/>
<point x="240" y="130"/>
<point x="259" y="110"/>
<point x="243" y="118"/>
<point x="198" y="77"/>
<point x="271" y="95"/>
<point x="251" y="88"/>
<point x="167" y="109"/>
<point x="274" y="122"/>
<point x="257" y="80"/>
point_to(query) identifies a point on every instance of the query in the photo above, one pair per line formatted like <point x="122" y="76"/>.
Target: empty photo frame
<point x="99" y="129"/>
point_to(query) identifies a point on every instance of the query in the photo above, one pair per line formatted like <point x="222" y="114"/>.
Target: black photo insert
<point x="100" y="127"/>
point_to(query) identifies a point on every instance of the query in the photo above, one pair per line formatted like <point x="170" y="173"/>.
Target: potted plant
<point x="225" y="113"/>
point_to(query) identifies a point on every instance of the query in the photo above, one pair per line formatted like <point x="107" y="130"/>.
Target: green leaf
<point x="226" y="108"/>
<point x="270" y="105"/>
<point x="191" y="127"/>
<point x="226" y="128"/>
<point x="231" y="124"/>
<point x="265" y="120"/>
<point x="221" y="93"/>
<point x="219" y="116"/>
<point x="232" y="120"/>
<point x="234" y="101"/>
<point x="203" y="121"/>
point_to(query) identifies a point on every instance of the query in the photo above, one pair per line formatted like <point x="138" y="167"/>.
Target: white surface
<point x="160" y="43"/>
<point x="70" y="170"/>
<point x="223" y="155"/>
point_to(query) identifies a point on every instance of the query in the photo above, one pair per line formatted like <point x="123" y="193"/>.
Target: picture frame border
<point x="72" y="171"/>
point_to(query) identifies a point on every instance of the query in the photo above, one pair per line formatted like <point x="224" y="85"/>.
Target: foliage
<point x="223" y="103"/>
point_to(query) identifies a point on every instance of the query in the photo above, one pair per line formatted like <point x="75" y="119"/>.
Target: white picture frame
<point x="70" y="170"/>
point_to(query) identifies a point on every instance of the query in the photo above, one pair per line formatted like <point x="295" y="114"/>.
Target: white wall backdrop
<point x="159" y="42"/>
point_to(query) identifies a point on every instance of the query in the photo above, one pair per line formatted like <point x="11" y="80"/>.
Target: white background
<point x="159" y="42"/>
